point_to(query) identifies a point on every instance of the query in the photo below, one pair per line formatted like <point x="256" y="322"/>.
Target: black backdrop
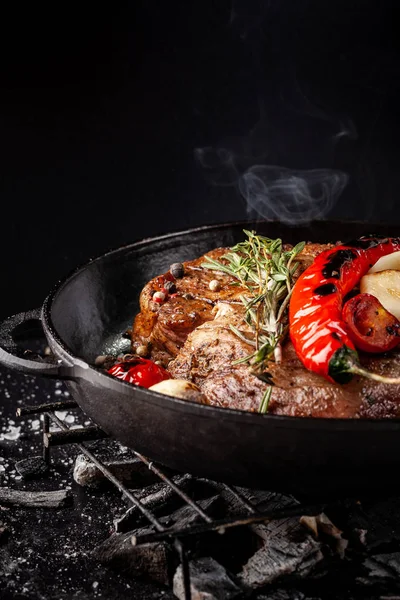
<point x="101" y="113"/>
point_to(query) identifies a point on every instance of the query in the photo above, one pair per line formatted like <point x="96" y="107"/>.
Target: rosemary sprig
<point x="265" y="271"/>
<point x="264" y="404"/>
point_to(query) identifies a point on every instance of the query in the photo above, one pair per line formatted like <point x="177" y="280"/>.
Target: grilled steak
<point x="190" y="333"/>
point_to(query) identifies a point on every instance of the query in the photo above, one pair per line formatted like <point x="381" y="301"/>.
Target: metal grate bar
<point x="148" y="514"/>
<point x="185" y="568"/>
<point x="243" y="501"/>
<point x="221" y="525"/>
<point x="176" y="489"/>
<point x="45" y="432"/>
<point x="41" y="408"/>
<point x="74" y="436"/>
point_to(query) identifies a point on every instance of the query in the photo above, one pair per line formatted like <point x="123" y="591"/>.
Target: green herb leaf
<point x="266" y="273"/>
<point x="264" y="404"/>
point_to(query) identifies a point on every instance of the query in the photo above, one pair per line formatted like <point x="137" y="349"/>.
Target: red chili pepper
<point x="318" y="332"/>
<point x="139" y="371"/>
<point x="371" y="327"/>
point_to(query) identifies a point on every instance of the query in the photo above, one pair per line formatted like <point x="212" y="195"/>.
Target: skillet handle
<point x="10" y="352"/>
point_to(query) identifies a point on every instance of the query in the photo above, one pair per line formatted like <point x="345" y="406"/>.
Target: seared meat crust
<point x="190" y="333"/>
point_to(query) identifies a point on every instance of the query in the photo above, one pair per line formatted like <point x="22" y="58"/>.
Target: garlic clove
<point x="390" y="261"/>
<point x="384" y="285"/>
<point x="180" y="388"/>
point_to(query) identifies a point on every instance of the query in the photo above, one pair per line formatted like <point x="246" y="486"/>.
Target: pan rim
<point x="178" y="404"/>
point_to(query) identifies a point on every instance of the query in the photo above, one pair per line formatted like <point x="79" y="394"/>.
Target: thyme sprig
<point x="265" y="270"/>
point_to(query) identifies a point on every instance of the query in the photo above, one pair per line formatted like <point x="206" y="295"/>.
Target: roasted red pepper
<point x="317" y="330"/>
<point x="139" y="371"/>
<point x="371" y="327"/>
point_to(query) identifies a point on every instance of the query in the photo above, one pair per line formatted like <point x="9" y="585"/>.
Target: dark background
<point x="101" y="113"/>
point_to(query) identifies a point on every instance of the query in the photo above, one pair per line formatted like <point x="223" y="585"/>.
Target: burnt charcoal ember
<point x="208" y="580"/>
<point x="286" y="546"/>
<point x="56" y="499"/>
<point x="287" y="549"/>
<point x="259" y="499"/>
<point x="158" y="498"/>
<point x="132" y="472"/>
<point x="186" y="515"/>
<point x="383" y="566"/>
<point x="30" y="468"/>
<point x="285" y="595"/>
<point x="373" y="524"/>
<point x="155" y="560"/>
<point x="151" y="561"/>
<point x="181" y="518"/>
<point x="322" y="526"/>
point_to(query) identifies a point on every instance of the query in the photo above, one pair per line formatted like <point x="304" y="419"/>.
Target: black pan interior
<point x="94" y="306"/>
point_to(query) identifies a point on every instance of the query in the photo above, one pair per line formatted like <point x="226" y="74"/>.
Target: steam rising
<point x="284" y="166"/>
<point x="291" y="196"/>
<point x="218" y="164"/>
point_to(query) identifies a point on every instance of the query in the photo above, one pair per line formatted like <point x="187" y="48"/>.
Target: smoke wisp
<point x="291" y="196"/>
<point x="285" y="166"/>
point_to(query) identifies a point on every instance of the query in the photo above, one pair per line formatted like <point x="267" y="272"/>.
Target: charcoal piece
<point x="321" y="526"/>
<point x="208" y="581"/>
<point x="132" y="472"/>
<point x="30" y="468"/>
<point x="311" y="523"/>
<point x="374" y="523"/>
<point x="286" y="546"/>
<point x="284" y="595"/>
<point x="289" y="594"/>
<point x="258" y="499"/>
<point x="186" y="515"/>
<point x="384" y="566"/>
<point x="152" y="561"/>
<point x="158" y="497"/>
<point x="179" y="520"/>
<point x="56" y="499"/>
<point x="360" y="535"/>
<point x="287" y="549"/>
<point x="155" y="560"/>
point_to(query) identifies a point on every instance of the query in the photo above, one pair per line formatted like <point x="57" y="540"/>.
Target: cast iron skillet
<point x="84" y="317"/>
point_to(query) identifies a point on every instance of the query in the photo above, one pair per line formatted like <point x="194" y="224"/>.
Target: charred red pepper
<point x="139" y="371"/>
<point x="371" y="327"/>
<point x="318" y="332"/>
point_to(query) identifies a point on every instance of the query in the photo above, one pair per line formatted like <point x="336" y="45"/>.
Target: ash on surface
<point x="47" y="552"/>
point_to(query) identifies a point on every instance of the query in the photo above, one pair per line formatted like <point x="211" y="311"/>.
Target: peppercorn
<point x="170" y="287"/>
<point x="214" y="285"/>
<point x="177" y="270"/>
<point x="158" y="297"/>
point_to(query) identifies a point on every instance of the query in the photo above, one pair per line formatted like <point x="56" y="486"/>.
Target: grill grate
<point x="173" y="535"/>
